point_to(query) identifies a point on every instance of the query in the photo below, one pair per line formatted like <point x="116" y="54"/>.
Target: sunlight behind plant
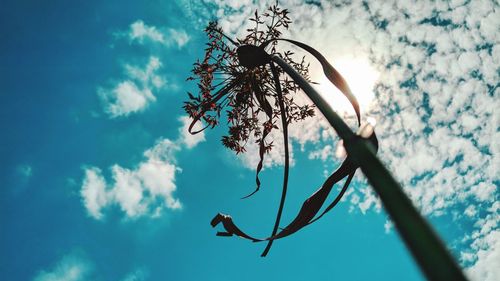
<point x="360" y="76"/>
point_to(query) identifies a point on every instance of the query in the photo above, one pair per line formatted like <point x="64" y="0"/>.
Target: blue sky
<point x="100" y="180"/>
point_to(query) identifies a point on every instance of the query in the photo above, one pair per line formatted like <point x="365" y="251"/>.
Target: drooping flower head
<point x="247" y="97"/>
<point x="240" y="78"/>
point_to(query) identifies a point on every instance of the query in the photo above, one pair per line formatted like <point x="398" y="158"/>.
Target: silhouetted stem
<point x="430" y="253"/>
<point x="284" y="124"/>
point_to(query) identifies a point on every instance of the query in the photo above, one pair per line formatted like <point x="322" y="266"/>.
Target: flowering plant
<point x="240" y="78"/>
<point x="249" y="80"/>
<point x="249" y="97"/>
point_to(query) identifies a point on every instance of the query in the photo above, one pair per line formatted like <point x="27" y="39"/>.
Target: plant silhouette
<point x="249" y="76"/>
<point x="238" y="78"/>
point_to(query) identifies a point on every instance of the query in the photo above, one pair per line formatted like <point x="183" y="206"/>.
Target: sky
<point x="101" y="181"/>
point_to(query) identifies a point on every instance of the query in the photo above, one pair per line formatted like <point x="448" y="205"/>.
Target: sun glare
<point x="360" y="76"/>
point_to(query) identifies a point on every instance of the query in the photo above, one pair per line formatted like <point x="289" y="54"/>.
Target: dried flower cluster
<point x="246" y="95"/>
<point x="240" y="78"/>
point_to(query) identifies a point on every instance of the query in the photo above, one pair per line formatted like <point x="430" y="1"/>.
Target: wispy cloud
<point x="135" y="92"/>
<point x="139" y="31"/>
<point x="142" y="33"/>
<point x="94" y="192"/>
<point x="72" y="267"/>
<point x="483" y="255"/>
<point x="139" y="87"/>
<point x="145" y="190"/>
<point x="75" y="266"/>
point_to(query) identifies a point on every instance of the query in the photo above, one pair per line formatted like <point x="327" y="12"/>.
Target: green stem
<point x="426" y="247"/>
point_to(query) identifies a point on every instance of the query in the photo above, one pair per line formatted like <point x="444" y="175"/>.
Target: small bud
<point x="367" y="128"/>
<point x="340" y="152"/>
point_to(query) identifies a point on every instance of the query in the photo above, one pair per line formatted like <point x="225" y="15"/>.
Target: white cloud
<point x="143" y="191"/>
<point x="141" y="33"/>
<point x="70" y="268"/>
<point x="138" y="89"/>
<point x="147" y="75"/>
<point x="471" y="211"/>
<point x="185" y="137"/>
<point x="484" y="251"/>
<point x="436" y="96"/>
<point x="134" y="93"/>
<point x="310" y="130"/>
<point x="94" y="193"/>
<point x="128" y="98"/>
<point x="276" y="157"/>
<point x="180" y="37"/>
<point x="325" y="153"/>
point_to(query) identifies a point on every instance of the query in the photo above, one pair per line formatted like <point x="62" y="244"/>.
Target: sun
<point x="360" y="76"/>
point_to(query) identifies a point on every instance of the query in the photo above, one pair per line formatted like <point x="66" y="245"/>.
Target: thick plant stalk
<point x="426" y="247"/>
